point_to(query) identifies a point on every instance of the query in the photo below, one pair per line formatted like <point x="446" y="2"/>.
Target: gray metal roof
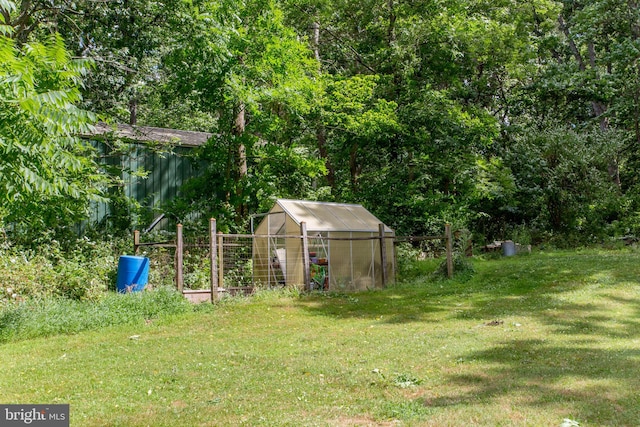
<point x="327" y="216"/>
<point x="151" y="134"/>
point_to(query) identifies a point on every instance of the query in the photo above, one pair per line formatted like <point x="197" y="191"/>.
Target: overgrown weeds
<point x="462" y="268"/>
<point x="84" y="271"/>
<point x="52" y="316"/>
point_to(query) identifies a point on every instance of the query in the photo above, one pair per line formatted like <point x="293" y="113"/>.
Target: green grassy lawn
<point x="528" y="340"/>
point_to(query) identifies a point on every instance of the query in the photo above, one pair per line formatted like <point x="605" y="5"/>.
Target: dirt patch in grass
<point x="362" y="421"/>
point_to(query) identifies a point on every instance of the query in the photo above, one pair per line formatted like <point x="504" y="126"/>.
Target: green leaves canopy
<point x="47" y="175"/>
<point x="419" y="110"/>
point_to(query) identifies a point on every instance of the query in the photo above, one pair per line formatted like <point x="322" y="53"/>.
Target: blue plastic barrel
<point x="508" y="248"/>
<point x="133" y="273"/>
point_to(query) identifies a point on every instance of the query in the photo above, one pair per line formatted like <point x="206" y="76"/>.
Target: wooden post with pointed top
<point x="136" y="241"/>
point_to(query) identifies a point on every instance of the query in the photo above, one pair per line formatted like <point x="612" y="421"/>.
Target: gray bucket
<point x="508" y="248"/>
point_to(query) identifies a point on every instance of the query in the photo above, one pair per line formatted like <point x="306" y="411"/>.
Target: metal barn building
<point x="126" y="149"/>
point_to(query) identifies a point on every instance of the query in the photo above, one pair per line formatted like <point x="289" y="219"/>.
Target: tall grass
<point x="45" y="317"/>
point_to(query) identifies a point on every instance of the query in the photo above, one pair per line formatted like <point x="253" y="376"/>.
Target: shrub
<point x="83" y="271"/>
<point x="462" y="268"/>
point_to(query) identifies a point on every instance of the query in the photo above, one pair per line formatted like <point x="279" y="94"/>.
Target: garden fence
<point x="204" y="268"/>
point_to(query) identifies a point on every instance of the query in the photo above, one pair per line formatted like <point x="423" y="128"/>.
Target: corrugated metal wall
<point x="166" y="173"/>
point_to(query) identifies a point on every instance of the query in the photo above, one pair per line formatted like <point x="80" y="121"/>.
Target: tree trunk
<point x="321" y="131"/>
<point x="315" y="28"/>
<point x="636" y="107"/>
<point x="572" y="44"/>
<point x="321" y="136"/>
<point x="599" y="108"/>
<point x="133" y="111"/>
<point x="353" y="166"/>
<point x="23" y="25"/>
<point x="391" y="30"/>
<point x="238" y="131"/>
<point x="635" y="32"/>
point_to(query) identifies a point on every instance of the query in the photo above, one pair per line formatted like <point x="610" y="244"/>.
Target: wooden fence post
<point x="306" y="268"/>
<point x="212" y="259"/>
<point x="394" y="261"/>
<point x="220" y="260"/>
<point x="179" y="258"/>
<point x="136" y="241"/>
<point x="449" y="239"/>
<point x="383" y="254"/>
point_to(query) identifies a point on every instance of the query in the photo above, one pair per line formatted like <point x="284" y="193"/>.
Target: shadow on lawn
<point x="390" y="305"/>
<point x="518" y="286"/>
<point x="588" y="358"/>
<point x="586" y="361"/>
<point x="597" y="386"/>
<point x="592" y="297"/>
<point x="611" y="317"/>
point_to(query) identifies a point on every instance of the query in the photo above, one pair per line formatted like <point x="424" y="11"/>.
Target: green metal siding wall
<point x="166" y="173"/>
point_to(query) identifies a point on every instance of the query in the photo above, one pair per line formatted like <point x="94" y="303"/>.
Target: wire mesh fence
<point x="233" y="263"/>
<point x="196" y="267"/>
<point x="424" y="247"/>
<point x="160" y="249"/>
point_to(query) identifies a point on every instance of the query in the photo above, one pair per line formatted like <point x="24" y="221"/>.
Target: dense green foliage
<point x="82" y="273"/>
<point x="494" y="116"/>
<point x="509" y="119"/>
<point x="47" y="174"/>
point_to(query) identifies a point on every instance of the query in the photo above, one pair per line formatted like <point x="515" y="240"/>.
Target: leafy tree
<point x="590" y="77"/>
<point x="47" y="175"/>
<point x="426" y="111"/>
<point x="562" y="182"/>
<point x="439" y="74"/>
<point x="358" y="126"/>
<point x="127" y="40"/>
<point x="240" y="63"/>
